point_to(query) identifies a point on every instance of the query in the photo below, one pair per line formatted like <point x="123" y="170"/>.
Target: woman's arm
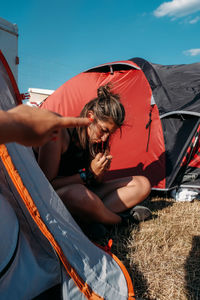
<point x="49" y="157"/>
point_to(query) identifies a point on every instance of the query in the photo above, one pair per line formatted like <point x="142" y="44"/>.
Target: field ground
<point x="162" y="255"/>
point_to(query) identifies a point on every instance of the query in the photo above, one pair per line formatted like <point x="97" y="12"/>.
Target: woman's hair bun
<point x="104" y="91"/>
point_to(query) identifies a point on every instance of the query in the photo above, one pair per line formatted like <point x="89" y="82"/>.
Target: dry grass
<point x="162" y="255"/>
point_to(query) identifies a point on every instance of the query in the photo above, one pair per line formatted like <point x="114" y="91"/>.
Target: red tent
<point x="154" y="97"/>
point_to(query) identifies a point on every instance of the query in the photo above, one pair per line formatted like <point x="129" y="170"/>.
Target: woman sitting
<point x="75" y="164"/>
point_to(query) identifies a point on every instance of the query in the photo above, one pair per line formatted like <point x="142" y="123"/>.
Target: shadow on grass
<point x="158" y="201"/>
<point x="120" y="235"/>
<point x="192" y="271"/>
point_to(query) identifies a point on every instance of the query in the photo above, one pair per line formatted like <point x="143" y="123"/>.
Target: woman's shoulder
<point x="65" y="138"/>
<point x="70" y="139"/>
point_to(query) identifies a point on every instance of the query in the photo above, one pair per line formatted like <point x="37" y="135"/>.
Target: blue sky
<point x="59" y="39"/>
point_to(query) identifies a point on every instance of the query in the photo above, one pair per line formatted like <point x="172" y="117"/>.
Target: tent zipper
<point x="148" y="125"/>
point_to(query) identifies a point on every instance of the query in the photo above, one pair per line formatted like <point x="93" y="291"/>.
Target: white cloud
<point x="195" y="20"/>
<point x="192" y="52"/>
<point x="177" y="8"/>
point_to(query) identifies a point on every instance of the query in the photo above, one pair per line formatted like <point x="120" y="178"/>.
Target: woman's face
<point x="99" y="131"/>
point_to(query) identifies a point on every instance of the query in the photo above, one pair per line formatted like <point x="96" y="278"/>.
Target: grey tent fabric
<point x="91" y="262"/>
<point x="30" y="261"/>
<point x="7" y="95"/>
<point x="88" y="260"/>
<point x="10" y="232"/>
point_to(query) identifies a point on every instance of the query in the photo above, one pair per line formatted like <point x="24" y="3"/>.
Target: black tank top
<point x="74" y="158"/>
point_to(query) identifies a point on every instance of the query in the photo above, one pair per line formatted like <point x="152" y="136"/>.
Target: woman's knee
<point x="73" y="195"/>
<point x="144" y="185"/>
<point x="77" y="196"/>
<point x="71" y="190"/>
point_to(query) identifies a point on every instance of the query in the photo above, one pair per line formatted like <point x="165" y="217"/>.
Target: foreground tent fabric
<point x="160" y="138"/>
<point x="41" y="245"/>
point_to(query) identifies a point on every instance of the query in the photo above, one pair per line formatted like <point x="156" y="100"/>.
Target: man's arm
<point x="31" y="126"/>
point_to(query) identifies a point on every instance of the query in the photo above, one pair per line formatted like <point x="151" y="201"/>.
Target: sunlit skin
<point x="96" y="204"/>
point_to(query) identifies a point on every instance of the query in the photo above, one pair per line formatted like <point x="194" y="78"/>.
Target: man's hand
<point x="31" y="126"/>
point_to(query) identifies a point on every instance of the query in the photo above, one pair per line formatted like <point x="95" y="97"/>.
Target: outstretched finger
<point x="74" y="122"/>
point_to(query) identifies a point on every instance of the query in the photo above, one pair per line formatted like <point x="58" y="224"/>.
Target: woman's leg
<point x="86" y="205"/>
<point x="120" y="194"/>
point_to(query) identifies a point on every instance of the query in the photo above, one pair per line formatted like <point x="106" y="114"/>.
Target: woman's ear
<point x="90" y="115"/>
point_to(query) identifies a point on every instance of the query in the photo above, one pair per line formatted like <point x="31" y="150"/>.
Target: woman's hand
<point x="100" y="164"/>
